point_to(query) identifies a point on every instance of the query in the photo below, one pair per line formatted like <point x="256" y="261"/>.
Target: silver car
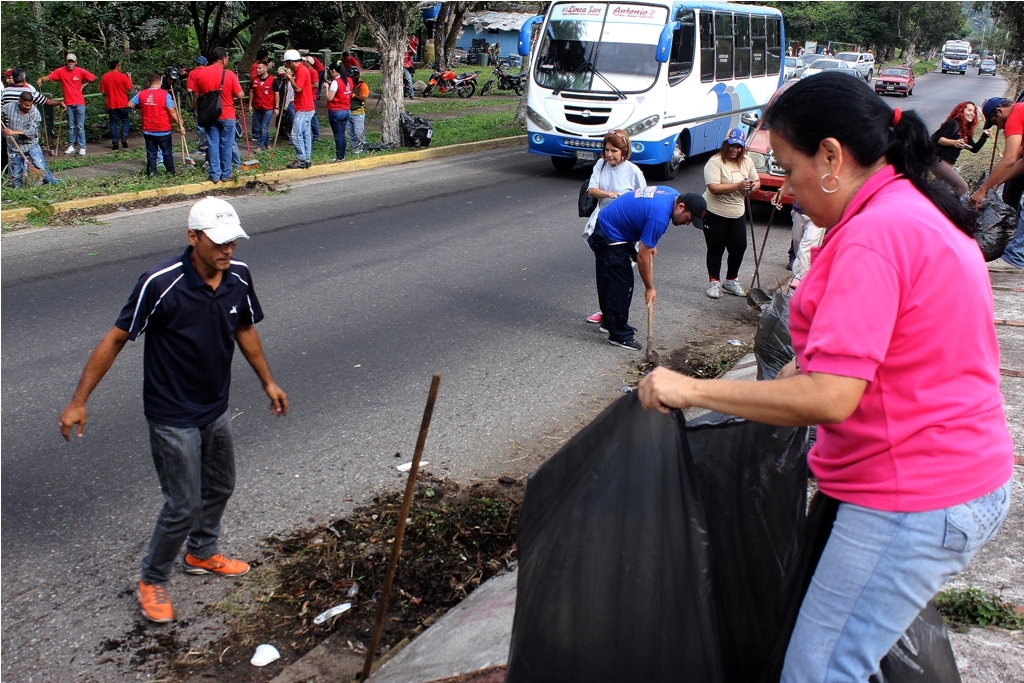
<point x="987" y="66"/>
<point x="863" y="62"/>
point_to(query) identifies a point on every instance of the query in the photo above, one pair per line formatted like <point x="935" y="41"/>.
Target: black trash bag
<point x="416" y="131"/>
<point x="640" y="561"/>
<point x="614" y="582"/>
<point x="997" y="222"/>
<point x="773" y="346"/>
<point x="586" y="204"/>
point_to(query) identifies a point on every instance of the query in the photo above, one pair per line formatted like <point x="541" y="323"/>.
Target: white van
<point x="863" y="62"/>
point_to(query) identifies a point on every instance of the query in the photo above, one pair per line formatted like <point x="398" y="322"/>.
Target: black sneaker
<point x="298" y="163"/>
<point x="114" y="145"/>
<point x="631" y="344"/>
<point x="124" y="143"/>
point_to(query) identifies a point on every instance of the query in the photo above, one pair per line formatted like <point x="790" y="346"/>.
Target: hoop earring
<point x="822" y="182"/>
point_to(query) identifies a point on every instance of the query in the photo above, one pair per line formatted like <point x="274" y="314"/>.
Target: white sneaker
<point x="1001" y="266"/>
<point x="713" y="290"/>
<point x="733" y="287"/>
<point x="70" y="149"/>
<point x="81" y="152"/>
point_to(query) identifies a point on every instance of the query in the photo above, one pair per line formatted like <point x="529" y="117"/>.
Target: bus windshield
<point x="955" y="53"/>
<point x="600" y="47"/>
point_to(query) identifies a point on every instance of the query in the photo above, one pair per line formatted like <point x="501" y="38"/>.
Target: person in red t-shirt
<point x="299" y="77"/>
<point x="410" y="56"/>
<point x="115" y="86"/>
<point x="72" y="79"/>
<point x="339" y="107"/>
<point x="158" y="115"/>
<point x="261" y="56"/>
<point x="315" y="79"/>
<point x="263" y="105"/>
<point x="221" y="136"/>
<point x="350" y="60"/>
<point x="1009" y="116"/>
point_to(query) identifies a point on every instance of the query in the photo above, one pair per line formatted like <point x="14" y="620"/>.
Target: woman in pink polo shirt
<point x="897" y="362"/>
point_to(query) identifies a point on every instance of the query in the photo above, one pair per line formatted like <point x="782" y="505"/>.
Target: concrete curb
<point x="285" y="175"/>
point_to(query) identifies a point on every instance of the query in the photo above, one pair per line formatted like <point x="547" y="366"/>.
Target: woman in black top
<point x="951" y="137"/>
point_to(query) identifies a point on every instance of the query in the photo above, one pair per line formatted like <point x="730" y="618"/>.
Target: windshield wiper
<point x="584" y="65"/>
<point x="621" y="95"/>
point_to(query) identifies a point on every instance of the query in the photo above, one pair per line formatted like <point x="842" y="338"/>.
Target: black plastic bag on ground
<point x="416" y="131"/>
<point x="773" y="346"/>
<point x="997" y="221"/>
<point x="639" y="561"/>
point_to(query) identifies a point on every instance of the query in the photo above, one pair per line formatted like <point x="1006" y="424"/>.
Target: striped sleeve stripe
<point x="142" y="292"/>
<point x="153" y="310"/>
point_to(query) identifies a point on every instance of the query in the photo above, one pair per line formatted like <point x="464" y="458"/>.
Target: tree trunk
<point x="449" y="22"/>
<point x="388" y="23"/>
<point x="352" y="26"/>
<point x="258" y="33"/>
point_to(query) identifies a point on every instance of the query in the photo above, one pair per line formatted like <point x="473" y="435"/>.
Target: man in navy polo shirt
<point x="640" y="217"/>
<point x="193" y="308"/>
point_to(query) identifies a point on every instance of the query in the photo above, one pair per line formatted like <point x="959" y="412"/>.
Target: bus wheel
<point x="667" y="170"/>
<point x="563" y="164"/>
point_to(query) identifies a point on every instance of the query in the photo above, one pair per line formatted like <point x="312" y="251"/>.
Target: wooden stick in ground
<point x="760" y="257"/>
<point x="60" y="124"/>
<point x="995" y="146"/>
<point x="277" y="131"/>
<point x="396" y="548"/>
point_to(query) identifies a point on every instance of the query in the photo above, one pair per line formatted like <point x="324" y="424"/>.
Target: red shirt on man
<point x="317" y="64"/>
<point x="115" y="86"/>
<point x="208" y="80"/>
<point x="262" y="92"/>
<point x="1015" y="122"/>
<point x="71" y="82"/>
<point x="303" y="89"/>
<point x="352" y="61"/>
<point x="253" y="73"/>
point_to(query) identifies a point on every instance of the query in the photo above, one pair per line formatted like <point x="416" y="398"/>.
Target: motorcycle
<point x="446" y="80"/>
<point x="505" y="81"/>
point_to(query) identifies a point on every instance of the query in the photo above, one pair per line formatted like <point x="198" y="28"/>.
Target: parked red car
<point x="759" y="147"/>
<point x="895" y="80"/>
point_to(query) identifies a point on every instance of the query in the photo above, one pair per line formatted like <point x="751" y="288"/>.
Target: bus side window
<point x="707" y="47"/>
<point x="774" y="46"/>
<point x="741" y="53"/>
<point x="757" y="63"/>
<point x="723" y="46"/>
<point x="681" y="62"/>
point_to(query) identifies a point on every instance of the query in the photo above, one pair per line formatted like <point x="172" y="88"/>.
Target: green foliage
<point x="973" y="606"/>
<point x="1009" y="17"/>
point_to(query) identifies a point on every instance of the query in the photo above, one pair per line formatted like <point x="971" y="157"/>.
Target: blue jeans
<point x="76" y="125"/>
<point x="261" y="126"/>
<point x="339" y="126"/>
<point x="314" y="125"/>
<point x="301" y="135"/>
<point x="120" y="124"/>
<point x="159" y="145"/>
<point x="221" y="139"/>
<point x="878" y="571"/>
<point x="35" y="157"/>
<point x="196" y="470"/>
<point x="1014" y="253"/>
<point x="356" y="125"/>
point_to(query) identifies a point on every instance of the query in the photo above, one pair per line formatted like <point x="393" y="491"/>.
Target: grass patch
<point x="971" y="606"/>
<point x="468" y="128"/>
<point x="921" y="66"/>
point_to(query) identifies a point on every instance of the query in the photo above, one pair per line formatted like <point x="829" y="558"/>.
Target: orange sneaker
<point x="155" y="602"/>
<point x="218" y="564"/>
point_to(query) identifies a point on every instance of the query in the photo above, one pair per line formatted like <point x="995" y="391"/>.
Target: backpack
<point x="208" y="105"/>
<point x="586" y="204"/>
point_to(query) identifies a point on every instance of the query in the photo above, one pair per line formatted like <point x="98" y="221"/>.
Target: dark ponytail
<point x="832" y="105"/>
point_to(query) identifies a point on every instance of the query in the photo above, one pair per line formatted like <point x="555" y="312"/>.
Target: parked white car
<point x="792" y="64"/>
<point x="826" y="64"/>
<point x="863" y="62"/>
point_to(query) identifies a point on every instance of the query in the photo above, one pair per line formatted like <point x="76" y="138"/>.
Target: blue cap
<point x="736" y="137"/>
<point x="989" y="108"/>
<point x="201" y="61"/>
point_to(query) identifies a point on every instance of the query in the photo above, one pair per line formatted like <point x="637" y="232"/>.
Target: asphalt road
<point x="472" y="267"/>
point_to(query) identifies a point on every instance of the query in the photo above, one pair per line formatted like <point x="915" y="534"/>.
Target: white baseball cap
<point x="291" y="55"/>
<point x="217" y="219"/>
<point x="308" y="59"/>
<point x="70" y="58"/>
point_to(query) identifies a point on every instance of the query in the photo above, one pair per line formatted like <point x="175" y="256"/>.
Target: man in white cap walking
<point x="187" y="372"/>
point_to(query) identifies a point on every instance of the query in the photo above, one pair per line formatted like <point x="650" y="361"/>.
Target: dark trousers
<point x="196" y="469"/>
<point x="120" y="124"/>
<point x="165" y="146"/>
<point x="614" y="270"/>
<point x="339" y="125"/>
<point x="723" y="234"/>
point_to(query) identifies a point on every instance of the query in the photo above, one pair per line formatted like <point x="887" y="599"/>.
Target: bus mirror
<point x="665" y="41"/>
<point x="525" y="32"/>
<point x="749" y="119"/>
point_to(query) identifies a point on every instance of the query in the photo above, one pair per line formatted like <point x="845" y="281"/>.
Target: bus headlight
<point x="641" y="126"/>
<point x="538" y="139"/>
<point x="760" y="161"/>
<point x="537" y="119"/>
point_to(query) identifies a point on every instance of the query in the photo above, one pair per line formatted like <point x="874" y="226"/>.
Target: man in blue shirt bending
<point x="638" y="218"/>
<point x="193" y="309"/>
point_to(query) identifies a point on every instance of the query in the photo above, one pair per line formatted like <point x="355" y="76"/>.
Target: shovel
<point x="250" y="163"/>
<point x="650" y="355"/>
<point x="757" y="297"/>
<point x="277" y="131"/>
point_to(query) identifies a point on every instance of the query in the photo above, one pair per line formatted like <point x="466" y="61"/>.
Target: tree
<point x="446" y="30"/>
<point x="1009" y="16"/>
<point x="212" y="20"/>
<point x="388" y="23"/>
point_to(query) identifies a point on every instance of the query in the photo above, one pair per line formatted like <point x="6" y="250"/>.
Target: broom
<point x="250" y="163"/>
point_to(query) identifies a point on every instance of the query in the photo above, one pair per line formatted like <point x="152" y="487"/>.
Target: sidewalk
<point x="470" y="644"/>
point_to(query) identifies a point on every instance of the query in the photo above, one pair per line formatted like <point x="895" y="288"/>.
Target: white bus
<point x="956" y="55"/>
<point x="675" y="75"/>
